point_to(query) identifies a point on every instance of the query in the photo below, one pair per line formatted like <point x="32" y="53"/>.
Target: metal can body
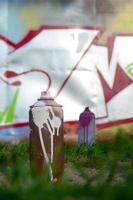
<point x="87" y="128"/>
<point x="46" y="137"/>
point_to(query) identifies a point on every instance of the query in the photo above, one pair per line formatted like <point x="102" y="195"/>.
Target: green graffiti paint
<point x="11" y="109"/>
<point x="3" y="114"/>
<point x="129" y="69"/>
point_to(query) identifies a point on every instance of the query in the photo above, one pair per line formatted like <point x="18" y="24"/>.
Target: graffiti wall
<point x="81" y="51"/>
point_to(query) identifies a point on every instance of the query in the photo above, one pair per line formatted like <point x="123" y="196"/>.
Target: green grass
<point x="103" y="171"/>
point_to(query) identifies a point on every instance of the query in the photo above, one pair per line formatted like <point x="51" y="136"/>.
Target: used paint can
<point x="46" y="137"/>
<point x="87" y="127"/>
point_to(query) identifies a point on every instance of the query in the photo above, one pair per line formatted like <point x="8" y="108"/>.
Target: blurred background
<point x="17" y="17"/>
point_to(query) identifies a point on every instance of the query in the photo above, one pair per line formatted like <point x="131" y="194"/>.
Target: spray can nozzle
<point x="46" y="95"/>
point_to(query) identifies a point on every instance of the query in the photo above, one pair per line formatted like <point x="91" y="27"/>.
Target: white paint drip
<point x="55" y="123"/>
<point x="45" y="154"/>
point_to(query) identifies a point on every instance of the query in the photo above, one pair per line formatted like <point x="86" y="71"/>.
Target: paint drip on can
<point x="87" y="128"/>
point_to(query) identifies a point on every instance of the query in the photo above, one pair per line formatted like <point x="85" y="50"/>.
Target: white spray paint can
<point x="46" y="136"/>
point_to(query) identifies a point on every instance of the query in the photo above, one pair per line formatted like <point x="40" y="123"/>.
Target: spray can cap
<point x="45" y="95"/>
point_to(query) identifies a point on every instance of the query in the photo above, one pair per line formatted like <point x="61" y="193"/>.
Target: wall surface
<point x="80" y="50"/>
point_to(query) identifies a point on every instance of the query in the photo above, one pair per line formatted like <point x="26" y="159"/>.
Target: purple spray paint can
<point x="87" y="128"/>
<point x="46" y="137"/>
